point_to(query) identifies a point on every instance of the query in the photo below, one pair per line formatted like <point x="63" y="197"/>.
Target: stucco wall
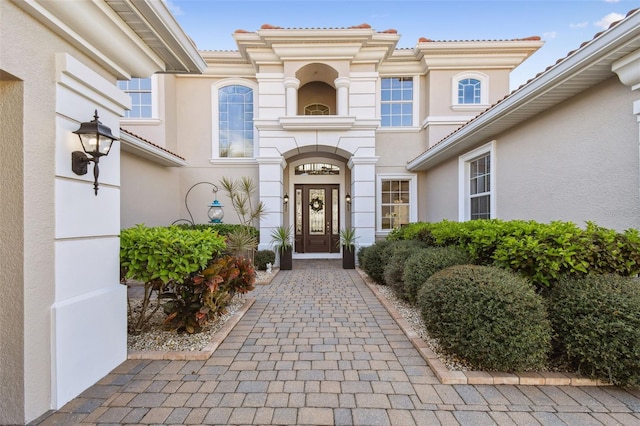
<point x="576" y="162"/>
<point x="439" y="194"/>
<point x="148" y="193"/>
<point x="395" y="148"/>
<point x="11" y="249"/>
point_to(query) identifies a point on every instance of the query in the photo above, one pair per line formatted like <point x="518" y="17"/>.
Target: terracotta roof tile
<point x="151" y="143"/>
<point x="428" y="40"/>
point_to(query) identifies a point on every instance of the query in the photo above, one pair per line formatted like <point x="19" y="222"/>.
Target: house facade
<point x="322" y="120"/>
<point x="337" y="127"/>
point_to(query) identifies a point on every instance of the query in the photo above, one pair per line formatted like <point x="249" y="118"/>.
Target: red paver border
<point x="449" y="377"/>
<point x="206" y="352"/>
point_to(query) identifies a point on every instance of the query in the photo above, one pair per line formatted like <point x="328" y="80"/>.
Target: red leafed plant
<point x="206" y="294"/>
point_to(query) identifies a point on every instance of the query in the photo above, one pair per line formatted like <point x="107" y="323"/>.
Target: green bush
<point x="596" y="319"/>
<point x="222" y="228"/>
<point x="360" y="255"/>
<point x="263" y="257"/>
<point x="374" y="260"/>
<point x="487" y="315"/>
<point x="398" y="253"/>
<point x="162" y="255"/>
<point x="422" y="264"/>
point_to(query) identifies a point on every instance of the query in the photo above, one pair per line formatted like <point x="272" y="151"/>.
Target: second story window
<point x="396" y="104"/>
<point x="139" y="89"/>
<point x="469" y="91"/>
<point x="235" y="108"/>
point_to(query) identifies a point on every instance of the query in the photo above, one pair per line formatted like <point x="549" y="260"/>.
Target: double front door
<point x="317" y="218"/>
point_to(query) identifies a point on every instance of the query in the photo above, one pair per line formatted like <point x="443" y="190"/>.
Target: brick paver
<point x="317" y="347"/>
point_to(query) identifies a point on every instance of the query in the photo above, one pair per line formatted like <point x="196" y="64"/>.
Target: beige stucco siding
<point x="394" y="148"/>
<point x="576" y="162"/>
<point x="438" y="195"/>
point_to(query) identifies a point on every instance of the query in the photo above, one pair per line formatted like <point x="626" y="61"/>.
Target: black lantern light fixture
<point x="215" y="213"/>
<point x="347" y="199"/>
<point x="96" y="140"/>
<point x="285" y="200"/>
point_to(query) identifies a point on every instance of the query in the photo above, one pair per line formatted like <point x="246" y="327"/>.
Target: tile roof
<point x="428" y="40"/>
<point x="151" y="143"/>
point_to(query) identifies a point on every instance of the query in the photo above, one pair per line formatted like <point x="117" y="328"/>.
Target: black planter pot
<point x="348" y="257"/>
<point x="286" y="259"/>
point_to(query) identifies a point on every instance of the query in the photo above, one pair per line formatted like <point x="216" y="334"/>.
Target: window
<point x="469" y="91"/>
<point x="477" y="184"/>
<point x="397" y="206"/>
<point x="235" y="118"/>
<point x="316" y="109"/>
<point x="139" y="89"/>
<point x="397" y="102"/>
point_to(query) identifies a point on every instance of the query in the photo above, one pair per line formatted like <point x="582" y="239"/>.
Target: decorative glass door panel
<point x="317" y="217"/>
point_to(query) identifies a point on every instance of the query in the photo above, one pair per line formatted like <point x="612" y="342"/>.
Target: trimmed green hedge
<point x="488" y="315"/>
<point x="542" y="252"/>
<point x="398" y="253"/>
<point x="262" y="257"/>
<point x="596" y="319"/>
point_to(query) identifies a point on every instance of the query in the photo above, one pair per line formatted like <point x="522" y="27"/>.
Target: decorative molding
<point x="628" y="70"/>
<point x="317" y="122"/>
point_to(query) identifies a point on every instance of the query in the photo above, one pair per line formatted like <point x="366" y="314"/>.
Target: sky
<point x="562" y="24"/>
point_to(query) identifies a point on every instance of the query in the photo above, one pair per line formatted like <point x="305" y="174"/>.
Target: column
<point x="363" y="198"/>
<point x="291" y="85"/>
<point x="342" y="99"/>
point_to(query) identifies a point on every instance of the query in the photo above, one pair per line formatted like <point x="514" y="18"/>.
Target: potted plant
<point x="348" y="242"/>
<point x="281" y="242"/>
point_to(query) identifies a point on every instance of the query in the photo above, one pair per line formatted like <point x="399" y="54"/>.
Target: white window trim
<point x="484" y="91"/>
<point x="415" y="103"/>
<point x="215" y="116"/>
<point x="464" y="173"/>
<point x="155" y="106"/>
<point x="413" y="194"/>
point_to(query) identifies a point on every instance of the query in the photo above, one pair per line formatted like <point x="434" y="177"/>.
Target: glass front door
<point x="317" y="218"/>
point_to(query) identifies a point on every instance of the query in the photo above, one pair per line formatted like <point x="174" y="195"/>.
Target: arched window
<point x="469" y="91"/>
<point x="316" y="109"/>
<point x="235" y="121"/>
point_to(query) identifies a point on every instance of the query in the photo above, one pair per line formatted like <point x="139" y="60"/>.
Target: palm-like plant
<point x="240" y="193"/>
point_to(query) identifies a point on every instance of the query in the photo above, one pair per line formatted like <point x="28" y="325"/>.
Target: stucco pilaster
<point x="363" y="198"/>
<point x="271" y="176"/>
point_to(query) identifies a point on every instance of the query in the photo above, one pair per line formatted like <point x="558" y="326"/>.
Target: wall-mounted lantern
<point x="285" y="201"/>
<point x="96" y="140"/>
<point x="347" y="199"/>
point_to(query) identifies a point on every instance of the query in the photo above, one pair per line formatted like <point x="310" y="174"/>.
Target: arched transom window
<point x="317" y="169"/>
<point x="316" y="109"/>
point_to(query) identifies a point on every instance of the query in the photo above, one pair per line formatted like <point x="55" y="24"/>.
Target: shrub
<point x="162" y="255"/>
<point x="398" y="253"/>
<point x="206" y="295"/>
<point x="487" y="315"/>
<point x="221" y="228"/>
<point x="596" y="319"/>
<point x="360" y="255"/>
<point x="263" y="257"/>
<point x="374" y="259"/>
<point x="422" y="264"/>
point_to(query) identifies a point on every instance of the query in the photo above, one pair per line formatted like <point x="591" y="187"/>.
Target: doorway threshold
<point x="317" y="256"/>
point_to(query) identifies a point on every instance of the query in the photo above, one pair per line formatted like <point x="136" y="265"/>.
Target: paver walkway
<point x="318" y="348"/>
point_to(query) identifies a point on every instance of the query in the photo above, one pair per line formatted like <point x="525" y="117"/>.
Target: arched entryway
<point x="317" y="186"/>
